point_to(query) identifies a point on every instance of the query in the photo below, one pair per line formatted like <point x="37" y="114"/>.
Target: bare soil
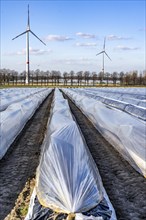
<point x="125" y="187"/>
<point x="18" y="167"/>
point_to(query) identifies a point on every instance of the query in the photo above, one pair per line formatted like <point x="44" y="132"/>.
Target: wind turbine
<point x="103" y="52"/>
<point x="27" y="46"/>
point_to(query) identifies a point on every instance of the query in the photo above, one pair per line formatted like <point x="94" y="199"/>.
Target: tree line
<point x="80" y="78"/>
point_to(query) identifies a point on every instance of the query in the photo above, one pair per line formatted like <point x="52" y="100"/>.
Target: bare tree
<point x="37" y="75"/>
<point x="94" y="78"/>
<point x="22" y="77"/>
<point x="114" y="77"/>
<point x="71" y="75"/>
<point x="47" y="77"/>
<point x="127" y="78"/>
<point x="101" y="77"/>
<point x="107" y="77"/>
<point x="8" y="77"/>
<point x="121" y="78"/>
<point x="57" y="77"/>
<point x="87" y="77"/>
<point x="134" y="77"/>
<point x="141" y="79"/>
<point x="65" y="77"/>
<point x="79" y="77"/>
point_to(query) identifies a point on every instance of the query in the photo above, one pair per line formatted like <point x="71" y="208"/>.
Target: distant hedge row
<point x="81" y="78"/>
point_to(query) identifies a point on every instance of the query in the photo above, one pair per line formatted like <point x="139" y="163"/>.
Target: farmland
<point x="73" y="110"/>
<point x="121" y="165"/>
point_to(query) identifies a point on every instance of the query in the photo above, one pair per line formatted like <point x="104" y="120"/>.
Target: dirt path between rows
<point x="19" y="164"/>
<point x="126" y="188"/>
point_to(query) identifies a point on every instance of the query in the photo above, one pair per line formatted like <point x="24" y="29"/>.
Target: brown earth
<point x="18" y="166"/>
<point x="125" y="187"/>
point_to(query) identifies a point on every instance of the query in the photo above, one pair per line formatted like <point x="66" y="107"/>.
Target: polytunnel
<point x="16" y="115"/>
<point x="67" y="179"/>
<point x="125" y="132"/>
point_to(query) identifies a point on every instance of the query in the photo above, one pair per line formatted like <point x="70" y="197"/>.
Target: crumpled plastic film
<point x="125" y="132"/>
<point x="134" y="104"/>
<point x="13" y="95"/>
<point x="15" y="117"/>
<point x="67" y="180"/>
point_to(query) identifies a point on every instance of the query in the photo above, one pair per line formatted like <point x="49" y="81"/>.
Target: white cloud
<point x="114" y="37"/>
<point x="31" y="51"/>
<point x="85" y="35"/>
<point x="86" y="44"/>
<point x="39" y="51"/>
<point x="22" y="52"/>
<point x="78" y="61"/>
<point x="57" y="38"/>
<point x="120" y="47"/>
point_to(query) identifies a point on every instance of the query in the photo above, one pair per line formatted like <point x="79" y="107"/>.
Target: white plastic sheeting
<point x="80" y="216"/>
<point x="134" y="93"/>
<point x="123" y="99"/>
<point x="125" y="132"/>
<point x="13" y="95"/>
<point x="15" y="117"/>
<point x="67" y="178"/>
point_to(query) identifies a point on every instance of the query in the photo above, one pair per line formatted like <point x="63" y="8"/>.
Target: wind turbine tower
<point x="27" y="46"/>
<point x="103" y="52"/>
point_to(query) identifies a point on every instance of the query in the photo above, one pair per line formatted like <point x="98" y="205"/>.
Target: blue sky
<point x="74" y="32"/>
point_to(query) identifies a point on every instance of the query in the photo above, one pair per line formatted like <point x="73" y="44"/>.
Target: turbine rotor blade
<point x="104" y="44"/>
<point x="28" y="24"/>
<point x="100" y="53"/>
<point x="20" y="35"/>
<point x="38" y="38"/>
<point x="107" y="55"/>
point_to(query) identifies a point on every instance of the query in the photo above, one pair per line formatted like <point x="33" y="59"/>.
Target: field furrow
<point x="125" y="187"/>
<point x="22" y="158"/>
